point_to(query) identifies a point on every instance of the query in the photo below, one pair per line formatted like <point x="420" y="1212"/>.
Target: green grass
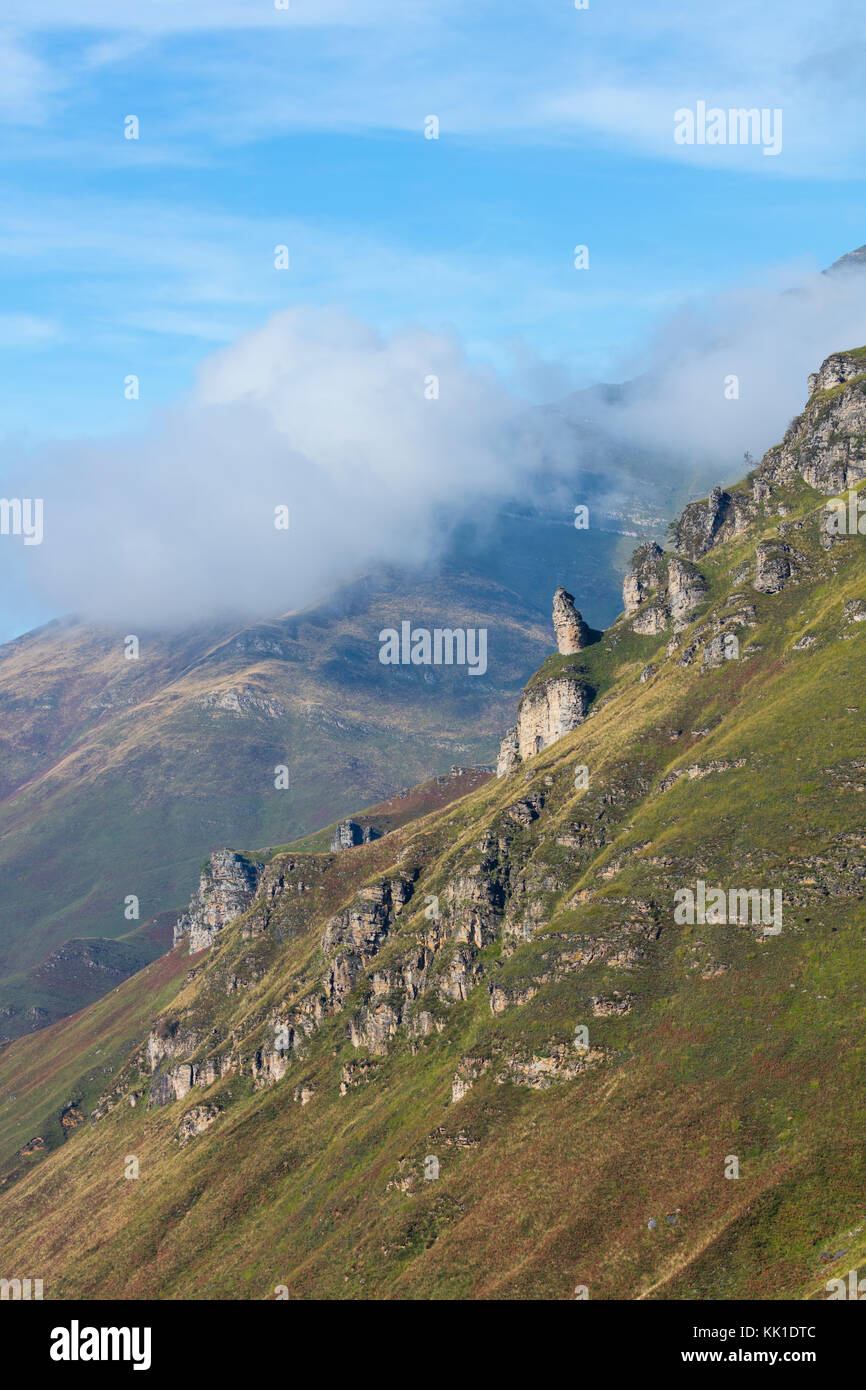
<point x="734" y="1045"/>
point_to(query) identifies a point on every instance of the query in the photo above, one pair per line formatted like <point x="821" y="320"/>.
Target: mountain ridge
<point x="504" y="985"/>
<point x="119" y="776"/>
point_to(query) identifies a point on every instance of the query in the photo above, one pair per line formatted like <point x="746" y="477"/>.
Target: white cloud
<point x="239" y="71"/>
<point x="769" y="338"/>
<point x="317" y="411"/>
<point x="313" y="411"/>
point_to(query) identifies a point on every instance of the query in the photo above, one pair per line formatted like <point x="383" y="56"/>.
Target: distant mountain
<point x="851" y="259"/>
<point x="596" y="1025"/>
<point x="118" y="776"/>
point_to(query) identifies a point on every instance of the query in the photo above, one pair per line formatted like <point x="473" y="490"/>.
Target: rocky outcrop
<point x="270" y="1064"/>
<point x="228" y="884"/>
<point x="548" y="711"/>
<point x="686" y="589"/>
<point x="826" y="444"/>
<point x="613" y="1007"/>
<point x="554" y="705"/>
<point x="468" y="1072"/>
<point x="705" y="524"/>
<point x="349" y="833"/>
<point x="356" y="935"/>
<point x="196" y="1121"/>
<point x="776" y="566"/>
<point x="169" y="1042"/>
<point x="539" y="1073"/>
<point x="243" y="702"/>
<point x="646" y="575"/>
<point x="357" y="1073"/>
<point x="836" y="370"/>
<point x="173" y="1084"/>
<point x="572" y="633"/>
<point x="660" y="589"/>
<point x="509" y="753"/>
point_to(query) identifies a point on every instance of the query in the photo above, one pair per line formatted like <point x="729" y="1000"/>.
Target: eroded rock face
<point x="686" y="588"/>
<point x="552" y="707"/>
<point x="227" y="887"/>
<point x="269" y="1065"/>
<point x="646" y="575"/>
<point x="840" y="367"/>
<point x="705" y="524"/>
<point x="355" y="936"/>
<point x="825" y="444"/>
<point x="349" y="833"/>
<point x="548" y="711"/>
<point x="775" y="566"/>
<point x="652" y="619"/>
<point x="509" y="753"/>
<point x="572" y="633"/>
<point x="660" y="589"/>
<point x="196" y="1121"/>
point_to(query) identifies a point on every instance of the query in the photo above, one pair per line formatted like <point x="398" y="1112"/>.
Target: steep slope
<point x="488" y="1055"/>
<point x="120" y="775"/>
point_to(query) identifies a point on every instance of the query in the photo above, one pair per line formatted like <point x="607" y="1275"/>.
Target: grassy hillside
<point x="433" y="984"/>
<point x="121" y="775"/>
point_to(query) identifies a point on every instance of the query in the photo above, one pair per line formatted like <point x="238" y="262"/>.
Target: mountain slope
<point x="146" y="765"/>
<point x="375" y="1083"/>
<point x="118" y="776"/>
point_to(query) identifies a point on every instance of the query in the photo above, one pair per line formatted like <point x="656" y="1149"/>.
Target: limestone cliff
<point x="823" y="444"/>
<point x="548" y="711"/>
<point x="572" y="633"/>
<point x="227" y="886"/>
<point x="349" y="833"/>
<point x="407" y="996"/>
<point x="705" y="524"/>
<point x="660" y="590"/>
<point x="822" y="447"/>
<point x="553" y="704"/>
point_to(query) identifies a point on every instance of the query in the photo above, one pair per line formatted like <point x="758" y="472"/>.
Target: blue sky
<point x="305" y="126"/>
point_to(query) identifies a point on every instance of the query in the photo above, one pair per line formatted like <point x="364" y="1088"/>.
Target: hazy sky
<point x="305" y="127"/>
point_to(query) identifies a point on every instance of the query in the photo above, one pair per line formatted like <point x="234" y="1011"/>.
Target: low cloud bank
<point x="728" y="375"/>
<point x="375" y="447"/>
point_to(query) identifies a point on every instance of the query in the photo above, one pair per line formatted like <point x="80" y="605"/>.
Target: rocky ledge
<point x="554" y="705"/>
<point x="227" y="886"/>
